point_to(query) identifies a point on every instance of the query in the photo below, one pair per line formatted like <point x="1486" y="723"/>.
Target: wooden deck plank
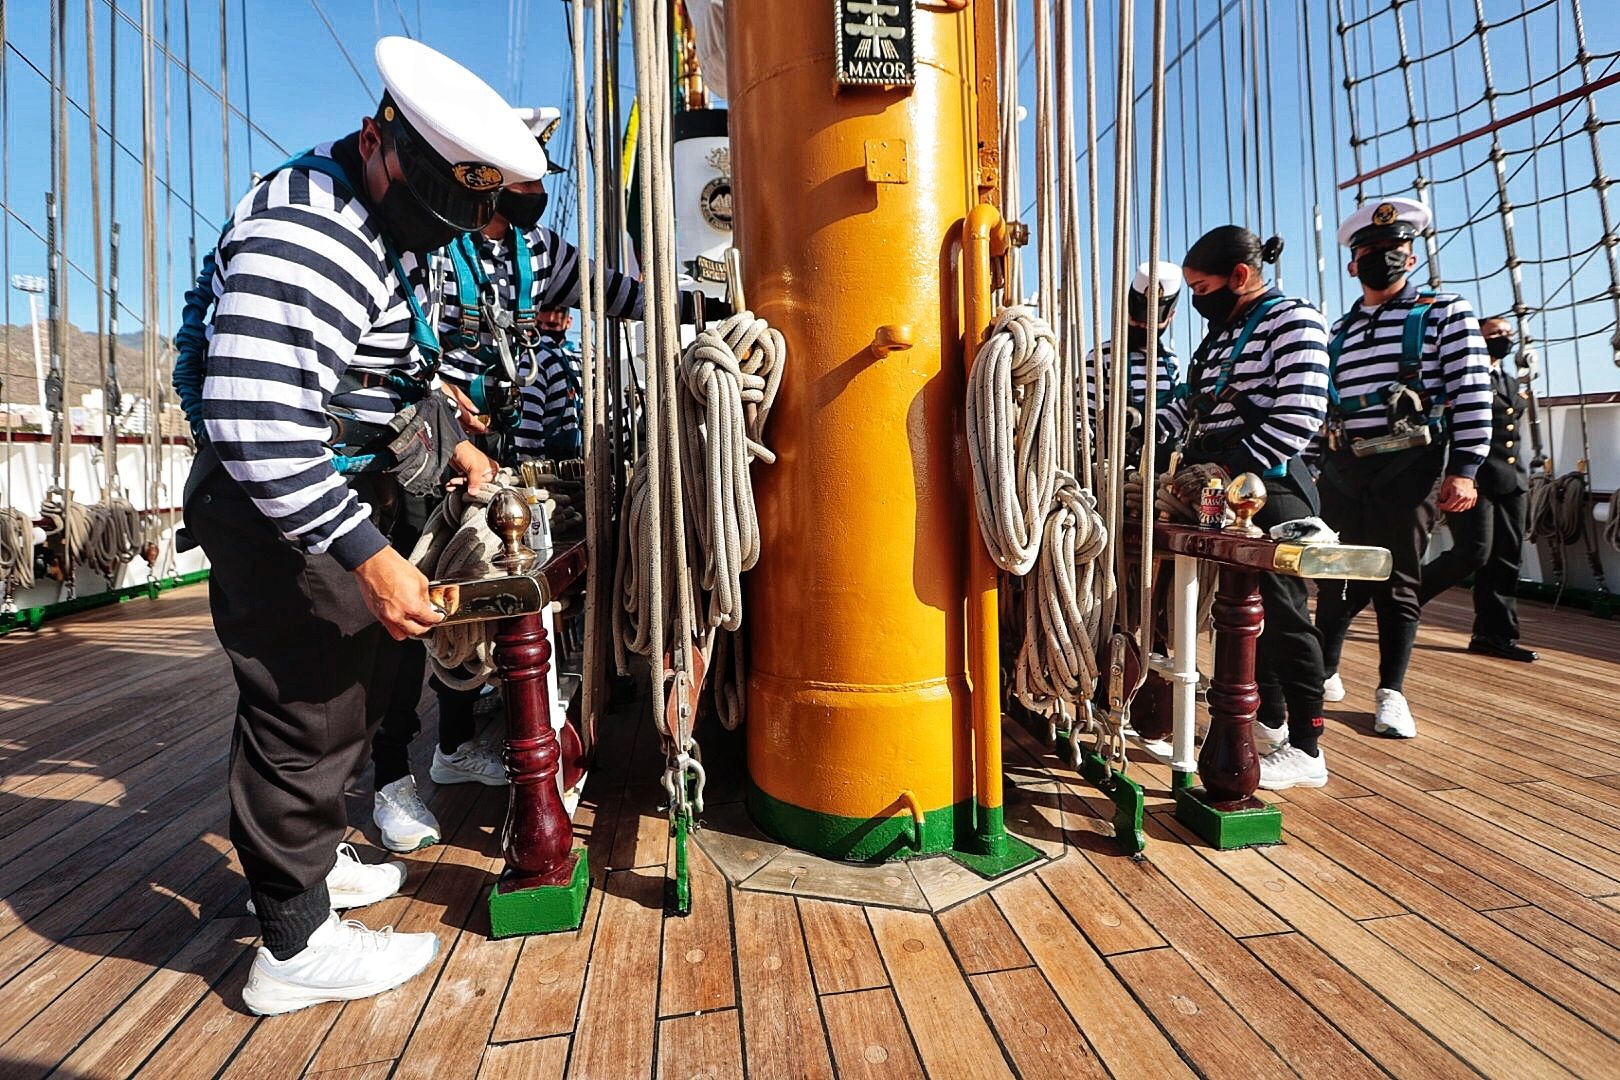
<point x="696" y="974"/>
<point x="1125" y="1037"/>
<point x="49" y="977"/>
<point x="1572" y="1042"/>
<point x="620" y="1005"/>
<point x="1364" y="852"/>
<point x="1031" y="1023"/>
<point x="1476" y="1036"/>
<point x="1599" y="959"/>
<point x="1202" y="1024"/>
<point x="1111" y="924"/>
<point x="1556" y="837"/>
<point x="702" y="1045"/>
<point x="203" y="1043"/>
<point x="122" y="1041"/>
<point x="550" y="977"/>
<point x="282" y="1045"/>
<point x="1297" y="1031"/>
<point x="377" y="1070"/>
<point x="1572" y="798"/>
<point x="1332" y="882"/>
<point x="869" y="1037"/>
<point x="1217" y="895"/>
<point x="782" y="1030"/>
<point x="1394" y="1041"/>
<point x="449" y="1040"/>
<point x="843" y="953"/>
<point x="951" y="1035"/>
<point x="982" y="940"/>
<point x="532" y="1059"/>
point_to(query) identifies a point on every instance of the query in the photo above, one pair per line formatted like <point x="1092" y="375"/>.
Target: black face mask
<point x="1381" y="269"/>
<point x="1499" y="347"/>
<point x="522" y="211"/>
<point x="1217" y="306"/>
<point x="410" y="225"/>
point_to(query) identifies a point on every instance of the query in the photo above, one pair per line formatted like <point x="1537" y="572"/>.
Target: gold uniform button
<point x="1509" y="444"/>
<point x="1513" y="460"/>
<point x="1512" y="427"/>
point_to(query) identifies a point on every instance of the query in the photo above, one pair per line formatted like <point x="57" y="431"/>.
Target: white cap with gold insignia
<point x="542" y="123"/>
<point x="1379" y="221"/>
<point x="1170" y="279"/>
<point x="457" y="140"/>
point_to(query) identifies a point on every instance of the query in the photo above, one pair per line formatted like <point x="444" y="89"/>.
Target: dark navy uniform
<point x="1488" y="541"/>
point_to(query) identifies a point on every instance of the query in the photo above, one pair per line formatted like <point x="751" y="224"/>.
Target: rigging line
<point x="104" y="349"/>
<point x="1599" y="179"/>
<point x="1584" y="91"/>
<point x="1226" y="130"/>
<point x="247" y="79"/>
<point x="44" y="238"/>
<point x="224" y="113"/>
<point x="403" y="25"/>
<point x="1569" y="243"/>
<point x="71" y="101"/>
<point x="192" y="76"/>
<point x="1435" y="118"/>
<point x="1334" y="146"/>
<point x="1462" y="158"/>
<point x="338" y="41"/>
<point x="1308" y="92"/>
<point x="56" y="209"/>
<point x="1271" y="129"/>
<point x="191" y="144"/>
<point x="1252" y="78"/>
<point x="1419" y="184"/>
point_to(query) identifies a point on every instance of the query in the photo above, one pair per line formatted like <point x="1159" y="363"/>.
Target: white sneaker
<point x="352" y="884"/>
<point x="1269" y="739"/>
<point x="403" y="818"/>
<point x="1292" y="767"/>
<point x="341" y="962"/>
<point x="470" y="764"/>
<point x="1393" y="717"/>
<point x="1333" y="688"/>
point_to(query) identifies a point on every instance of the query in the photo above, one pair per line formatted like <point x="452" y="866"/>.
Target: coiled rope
<point x="1057" y="661"/>
<point x="16" y="551"/>
<point x="729" y="376"/>
<point x="103" y="536"/>
<point x="1012" y="436"/>
<point x="1561" y="514"/>
<point x="457" y="543"/>
<point x="1611" y="530"/>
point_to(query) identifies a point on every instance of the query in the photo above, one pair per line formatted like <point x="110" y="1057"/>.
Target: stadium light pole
<point x="34" y="287"/>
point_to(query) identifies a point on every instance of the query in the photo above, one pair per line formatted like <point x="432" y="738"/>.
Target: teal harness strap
<point x="1411" y="371"/>
<point x="1204" y="402"/>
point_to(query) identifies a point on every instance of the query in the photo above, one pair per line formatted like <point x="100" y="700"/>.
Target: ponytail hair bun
<point x="1220" y="250"/>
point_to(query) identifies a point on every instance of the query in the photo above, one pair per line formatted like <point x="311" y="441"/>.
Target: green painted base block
<point x="1126" y="794"/>
<point x="1014" y="854"/>
<point x="876" y="839"/>
<point x="1225" y="830"/>
<point x="544" y="910"/>
<point x="1181" y="781"/>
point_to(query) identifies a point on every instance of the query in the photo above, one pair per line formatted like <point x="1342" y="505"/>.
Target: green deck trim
<point x="1014" y="853"/>
<point x="33" y="618"/>
<point x="1226" y="830"/>
<point x="544" y="910"/>
<point x="1130" y="804"/>
<point x="854" y="839"/>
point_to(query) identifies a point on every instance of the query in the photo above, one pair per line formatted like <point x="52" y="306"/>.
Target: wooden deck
<point x="1446" y="906"/>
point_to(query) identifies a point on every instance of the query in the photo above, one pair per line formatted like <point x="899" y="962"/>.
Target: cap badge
<point x="477" y="176"/>
<point x="1385" y="214"/>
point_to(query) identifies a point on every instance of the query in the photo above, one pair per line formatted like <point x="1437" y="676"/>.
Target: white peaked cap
<point x="455" y="112"/>
<point x="1169" y="279"/>
<point x="1385" y="219"/>
<point x="539" y="120"/>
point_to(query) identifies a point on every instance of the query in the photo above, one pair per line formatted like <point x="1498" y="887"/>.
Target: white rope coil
<point x="1057" y="661"/>
<point x="1012" y="436"/>
<point x="457" y="543"/>
<point x="102" y="536"/>
<point x="729" y="377"/>
<point x="16" y="550"/>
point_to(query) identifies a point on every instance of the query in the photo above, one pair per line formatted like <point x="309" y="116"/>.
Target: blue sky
<point x="303" y="90"/>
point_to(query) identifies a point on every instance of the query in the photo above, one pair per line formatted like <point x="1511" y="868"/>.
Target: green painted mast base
<point x="994" y="851"/>
<point x="545" y="909"/>
<point x="1130" y="804"/>
<point x="1251" y="825"/>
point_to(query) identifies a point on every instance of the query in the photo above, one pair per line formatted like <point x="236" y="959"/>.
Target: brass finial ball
<point x="1246" y="495"/>
<point x="508" y="515"/>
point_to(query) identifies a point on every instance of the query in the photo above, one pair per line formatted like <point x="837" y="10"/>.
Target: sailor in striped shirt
<point x="1166" y="386"/>
<point x="1256" y="394"/>
<point x="319" y="323"/>
<point x="1409" y="426"/>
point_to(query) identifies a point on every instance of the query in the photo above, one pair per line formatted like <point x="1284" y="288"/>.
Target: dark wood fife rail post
<point x="537" y="840"/>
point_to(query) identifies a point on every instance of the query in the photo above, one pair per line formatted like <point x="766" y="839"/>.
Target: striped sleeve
<point x="1467" y="373"/>
<point x="1296" y="344"/>
<point x="296" y="289"/>
<point x="556" y="277"/>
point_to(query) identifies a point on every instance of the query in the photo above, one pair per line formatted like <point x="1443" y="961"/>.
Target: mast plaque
<point x="876" y="42"/>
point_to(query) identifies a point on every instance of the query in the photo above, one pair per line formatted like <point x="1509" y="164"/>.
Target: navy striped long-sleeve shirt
<point x="1281" y="381"/>
<point x="304" y="291"/>
<point x="1454" y="359"/>
<point x="1169" y="374"/>
<point x="555" y="287"/>
<point x="551" y="407"/>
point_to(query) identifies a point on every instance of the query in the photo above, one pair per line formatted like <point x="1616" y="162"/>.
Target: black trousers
<point x="1288" y="656"/>
<point x="391" y="747"/>
<point x="312" y="676"/>
<point x="1387" y="500"/>
<point x="1488" y="542"/>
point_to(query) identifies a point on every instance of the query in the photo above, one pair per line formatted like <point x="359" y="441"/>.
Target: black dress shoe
<point x="1505" y="650"/>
